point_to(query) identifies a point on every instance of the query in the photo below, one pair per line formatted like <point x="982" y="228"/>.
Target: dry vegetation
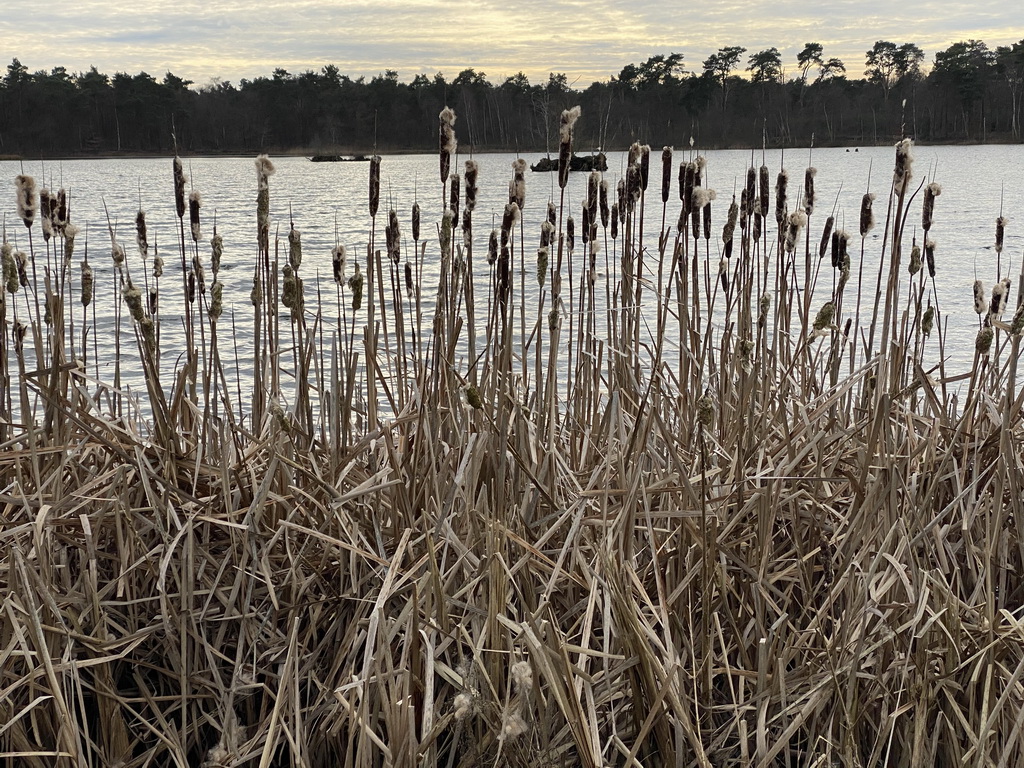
<point x="722" y="524"/>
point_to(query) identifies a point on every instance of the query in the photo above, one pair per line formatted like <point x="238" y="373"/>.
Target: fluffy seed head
<point x="904" y="159"/>
<point x="195" y="201"/>
<point x="809" y="175"/>
<point x="28" y="202"/>
<point x="780" y="197"/>
<point x="867" y="214"/>
<point x="980" y="305"/>
<point x="1001" y="223"/>
<point x="932" y="191"/>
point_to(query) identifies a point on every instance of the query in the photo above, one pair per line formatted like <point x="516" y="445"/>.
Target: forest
<point x="969" y="92"/>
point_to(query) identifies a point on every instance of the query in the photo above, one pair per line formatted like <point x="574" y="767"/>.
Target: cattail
<point x="10" y="268"/>
<point x="416" y="222"/>
<point x="216" y="251"/>
<point x="998" y="304"/>
<point x="264" y="170"/>
<point x="915" y="259"/>
<point x="445" y="236"/>
<point x="780" y="197"/>
<point x="689" y="182"/>
<point x="723" y="273"/>
<point x="338" y="258"/>
<point x="755" y="231"/>
<point x="835" y="250"/>
<point x="764" y="304"/>
<point x="179" y="187"/>
<point x="645" y="166"/>
<point x="117" y="254"/>
<point x="410" y="288"/>
<point x="867" y="214"/>
<point x="60" y="212"/>
<point x="375" y="184"/>
<point x="764" y="179"/>
<point x="593" y="192"/>
<point x="446" y="140"/>
<point x="809" y="175"/>
<point x="570" y="234"/>
<point x="133" y="298"/>
<point x="826" y="235"/>
<point x="928" y="320"/>
<point x="519" y="182"/>
<point x="794" y="224"/>
<point x="632" y="186"/>
<point x="983" y="341"/>
<point x="472" y="171"/>
<point x="1017" y="324"/>
<point x="256" y="294"/>
<point x="492" y="247"/>
<point x="904" y="159"/>
<point x="730" y="226"/>
<point x="932" y="191"/>
<point x="453" y="197"/>
<point x="603" y="203"/>
<point x="666" y="173"/>
<point x="744" y="210"/>
<point x="393" y="235"/>
<point x="28" y="203"/>
<point x="70" y="233"/>
<point x="158" y="265"/>
<point x="1000" y="230"/>
<point x="585" y="228"/>
<point x="86" y="284"/>
<point x="45" y="216"/>
<point x="141" y="238"/>
<point x="194" y="202"/>
<point x="542" y="264"/>
<point x="154" y="301"/>
<point x="22" y="261"/>
<point x="979" y="297"/>
<point x="929" y="255"/>
<point x="825" y="316"/>
<point x="216" y="300"/>
<point x="190" y="290"/>
<point x="706" y="211"/>
<point x="288" y="291"/>
<point x="706" y="410"/>
<point x="615" y="221"/>
<point x="750" y="188"/>
<point x="547" y="234"/>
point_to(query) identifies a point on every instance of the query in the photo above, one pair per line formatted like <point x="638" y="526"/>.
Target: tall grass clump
<point x="680" y="505"/>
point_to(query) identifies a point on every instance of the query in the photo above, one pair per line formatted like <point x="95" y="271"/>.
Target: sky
<point x="209" y="40"/>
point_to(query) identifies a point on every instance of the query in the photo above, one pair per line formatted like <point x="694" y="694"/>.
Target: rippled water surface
<point x="328" y="204"/>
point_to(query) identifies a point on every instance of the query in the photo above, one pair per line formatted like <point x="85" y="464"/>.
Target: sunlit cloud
<point x="588" y="41"/>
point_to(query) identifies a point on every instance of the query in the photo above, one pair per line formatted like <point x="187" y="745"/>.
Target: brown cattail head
<point x="730" y="225"/>
<point x="264" y="170"/>
<point x="141" y="236"/>
<point x="1017" y="324"/>
<point x="781" y="210"/>
<point x="355" y="284"/>
<point x="835" y="250"/>
<point x="928" y="320"/>
<point x="585" y="228"/>
<point x="446" y="142"/>
<point x="472" y="190"/>
<point x="195" y="201"/>
<point x="632" y="185"/>
<point x="375" y="185"/>
<point x="983" y="341"/>
<point x="809" y="175"/>
<point x="28" y="202"/>
<point x="70" y="233"/>
<point x="416" y="222"/>
<point x="410" y="287"/>
<point x="998" y="304"/>
<point x="492" y="247"/>
<point x="1001" y="223"/>
<point x="915" y="259"/>
<point x="764" y="180"/>
<point x="980" y="305"/>
<point x="689" y="182"/>
<point x="552" y="213"/>
<point x="756" y="229"/>
<point x="795" y="223"/>
<point x="867" y="214"/>
<point x="10" y="267"/>
<point x="547" y="234"/>
<point x="706" y="212"/>
<point x="45" y="216"/>
<point x="294" y="248"/>
<point x="179" y="187"/>
<point x="61" y="212"/>
<point x="338" y="258"/>
<point x="645" y="166"/>
<point x="216" y="300"/>
<point x="570" y="234"/>
<point x="593" y="192"/>
<point x="393" y="236"/>
<point x="826" y="235"/>
<point x="453" y="197"/>
<point x="87" y="284"/>
<point x="518" y="190"/>
<point x="666" y="173"/>
<point x="932" y="191"/>
<point x="615" y="221"/>
<point x="603" y="202"/>
<point x="216" y="251"/>
<point x="542" y="264"/>
<point x="751" y="188"/>
<point x="565" y="132"/>
<point x="929" y="255"/>
<point x="904" y="159"/>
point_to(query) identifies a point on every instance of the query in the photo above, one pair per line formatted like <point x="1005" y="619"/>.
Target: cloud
<point x="587" y="40"/>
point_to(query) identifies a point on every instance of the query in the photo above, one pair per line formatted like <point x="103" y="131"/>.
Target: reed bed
<point x="706" y="504"/>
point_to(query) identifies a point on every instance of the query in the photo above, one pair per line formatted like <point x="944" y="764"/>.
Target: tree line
<point x="736" y="97"/>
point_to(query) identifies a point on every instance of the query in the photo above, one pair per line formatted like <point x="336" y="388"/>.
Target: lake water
<point x="328" y="203"/>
